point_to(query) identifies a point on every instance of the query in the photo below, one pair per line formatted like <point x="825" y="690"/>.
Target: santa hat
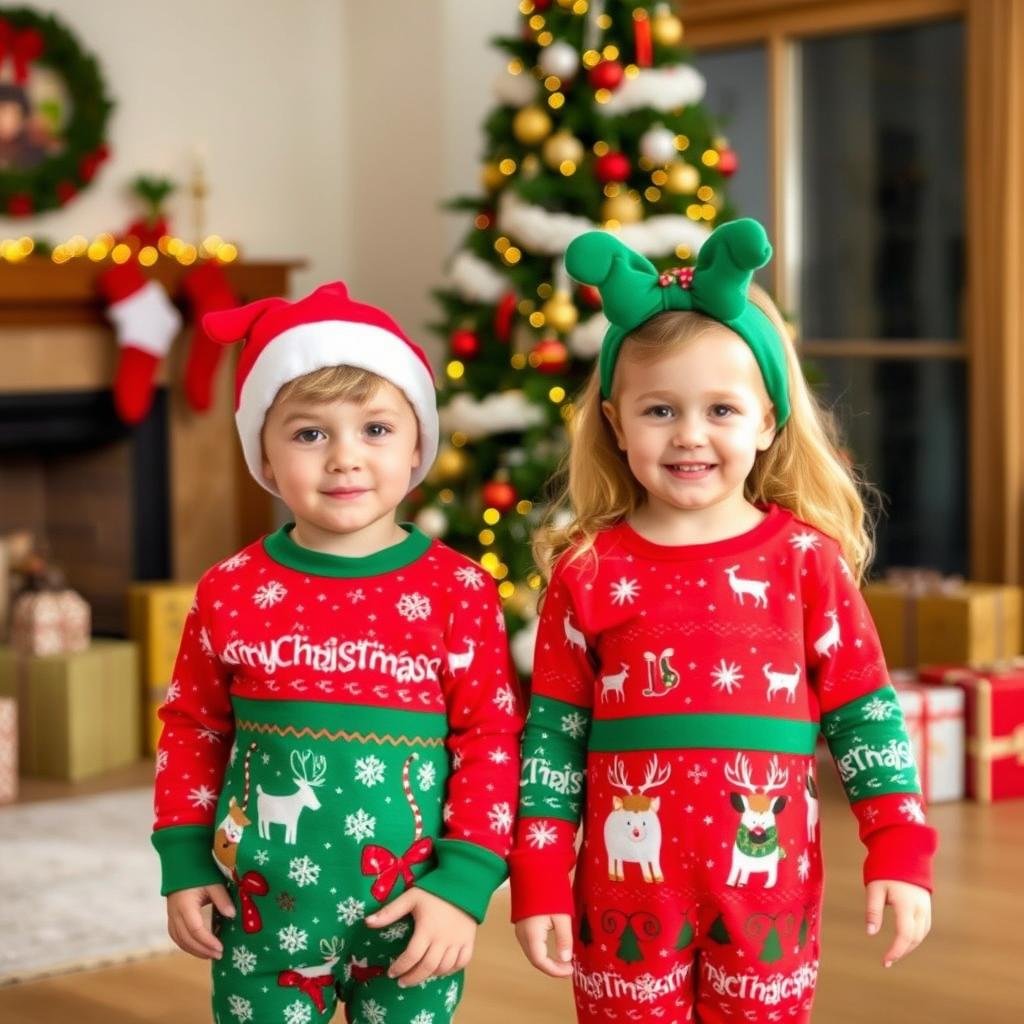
<point x="286" y="340"/>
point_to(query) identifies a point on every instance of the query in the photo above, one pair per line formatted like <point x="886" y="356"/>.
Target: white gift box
<point x="934" y="717"/>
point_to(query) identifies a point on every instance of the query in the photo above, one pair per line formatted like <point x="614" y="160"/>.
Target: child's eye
<point x="659" y="412"/>
<point x="722" y="411"/>
<point x="310" y="435"/>
<point x="378" y="430"/>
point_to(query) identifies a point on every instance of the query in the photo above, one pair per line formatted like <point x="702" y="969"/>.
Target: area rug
<point x="79" y="885"/>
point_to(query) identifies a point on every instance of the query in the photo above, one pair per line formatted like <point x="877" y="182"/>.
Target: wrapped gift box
<point x="50" y="622"/>
<point x="929" y="621"/>
<point x="934" y="717"/>
<point x="995" y="727"/>
<point x="78" y="713"/>
<point x="8" y="749"/>
<point x="156" y="620"/>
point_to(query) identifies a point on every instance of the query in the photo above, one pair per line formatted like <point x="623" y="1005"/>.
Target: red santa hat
<point x="286" y="340"/>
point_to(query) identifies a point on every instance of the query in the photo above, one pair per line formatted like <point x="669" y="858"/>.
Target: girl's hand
<point x="532" y="933"/>
<point x="442" y="938"/>
<point x="185" y="923"/>
<point x="912" y="908"/>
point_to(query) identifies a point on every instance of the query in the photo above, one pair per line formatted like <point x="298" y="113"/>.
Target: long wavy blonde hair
<point x="804" y="469"/>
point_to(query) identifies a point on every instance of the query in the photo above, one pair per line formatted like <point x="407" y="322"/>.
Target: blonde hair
<point x="332" y="384"/>
<point x="803" y="470"/>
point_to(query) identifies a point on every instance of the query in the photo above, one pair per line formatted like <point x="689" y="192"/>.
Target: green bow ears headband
<point x="633" y="291"/>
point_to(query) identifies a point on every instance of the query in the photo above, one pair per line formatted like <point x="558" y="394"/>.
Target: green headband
<point x="633" y="291"/>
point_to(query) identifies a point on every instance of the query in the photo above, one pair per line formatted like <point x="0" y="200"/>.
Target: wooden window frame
<point x="993" y="331"/>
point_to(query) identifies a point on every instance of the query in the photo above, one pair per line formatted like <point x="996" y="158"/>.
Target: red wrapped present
<point x="934" y="717"/>
<point x="995" y="726"/>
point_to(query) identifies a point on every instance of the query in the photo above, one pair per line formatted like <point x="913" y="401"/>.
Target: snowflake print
<point x="269" y="594"/>
<point x="395" y="932"/>
<point x="501" y="818"/>
<point x="360" y="825"/>
<point x="351" y="910"/>
<point x="878" y="710"/>
<point x="803" y="866"/>
<point x="447" y="812"/>
<point x="574" y="724"/>
<point x="292" y="939"/>
<point x="647" y="988"/>
<point x="240" y="1008"/>
<point x="696" y="774"/>
<point x="845" y="567"/>
<point x="203" y="797"/>
<point x="205" y="642"/>
<point x="805" y="541"/>
<point x="372" y="1012"/>
<point x="173" y="692"/>
<point x="302" y="871"/>
<point x="912" y="810"/>
<point x="726" y="677"/>
<point x="499" y="756"/>
<point x="355" y="596"/>
<point x="451" y="996"/>
<point x="469" y="577"/>
<point x="624" y="591"/>
<point x="506" y="700"/>
<point x="413" y="607"/>
<point x="369" y="770"/>
<point x="423" y="1017"/>
<point x="541" y="834"/>
<point x="161" y="761"/>
<point x="234" y="562"/>
<point x="210" y="735"/>
<point x="261" y="857"/>
<point x="426" y="775"/>
<point x="298" y="1013"/>
<point x="243" y="960"/>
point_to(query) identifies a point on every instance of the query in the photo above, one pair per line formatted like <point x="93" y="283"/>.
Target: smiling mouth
<point x="690" y="467"/>
<point x="345" y="492"/>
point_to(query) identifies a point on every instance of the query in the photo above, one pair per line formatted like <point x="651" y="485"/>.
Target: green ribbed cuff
<point x="186" y="860"/>
<point x="466" y="876"/>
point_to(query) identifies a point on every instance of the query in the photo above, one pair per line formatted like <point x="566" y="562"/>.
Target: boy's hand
<point x="442" y="938"/>
<point x="185" y="922"/>
<point x="912" y="909"/>
<point x="532" y="933"/>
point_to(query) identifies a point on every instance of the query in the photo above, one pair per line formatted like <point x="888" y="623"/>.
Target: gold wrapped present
<point x="78" y="713"/>
<point x="156" y="620"/>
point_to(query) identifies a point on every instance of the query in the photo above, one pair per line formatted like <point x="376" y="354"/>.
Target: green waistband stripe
<point x="725" y="732"/>
<point x="332" y="721"/>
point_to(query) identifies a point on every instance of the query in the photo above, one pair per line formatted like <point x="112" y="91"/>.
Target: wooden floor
<point x="969" y="971"/>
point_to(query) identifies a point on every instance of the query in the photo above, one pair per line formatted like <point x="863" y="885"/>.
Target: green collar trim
<point x="282" y="549"/>
<point x="633" y="291"/>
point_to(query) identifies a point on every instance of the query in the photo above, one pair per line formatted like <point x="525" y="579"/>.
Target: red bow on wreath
<point x="311" y="987"/>
<point x="23" y="48"/>
<point x="379" y="861"/>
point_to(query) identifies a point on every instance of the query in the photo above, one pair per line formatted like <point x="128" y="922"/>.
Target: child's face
<point x="692" y="422"/>
<point x="341" y="467"/>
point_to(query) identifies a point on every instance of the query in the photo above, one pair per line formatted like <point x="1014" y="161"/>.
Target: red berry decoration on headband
<point x="682" y="276"/>
<point x="590" y="295"/>
<point x="608" y="74"/>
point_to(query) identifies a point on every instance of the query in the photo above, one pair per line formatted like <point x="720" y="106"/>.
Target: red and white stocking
<point x="145" y="323"/>
<point x="209" y="291"/>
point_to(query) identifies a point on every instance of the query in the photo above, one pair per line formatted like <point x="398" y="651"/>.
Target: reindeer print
<point x="756" y="849"/>
<point x="285" y="809"/>
<point x="573" y="636"/>
<point x="615" y="684"/>
<point x="830" y="640"/>
<point x="632" y="831"/>
<point x="782" y="681"/>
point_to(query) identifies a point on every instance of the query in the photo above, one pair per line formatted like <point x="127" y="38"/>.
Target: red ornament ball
<point x="20" y="205"/>
<point x="541" y="5"/>
<point x="499" y="494"/>
<point x="728" y="162"/>
<point x="612" y="167"/>
<point x="465" y="344"/>
<point x="608" y="74"/>
<point x="590" y="295"/>
<point x="550" y="356"/>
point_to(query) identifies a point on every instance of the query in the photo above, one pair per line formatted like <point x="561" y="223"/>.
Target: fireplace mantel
<point x="54" y="337"/>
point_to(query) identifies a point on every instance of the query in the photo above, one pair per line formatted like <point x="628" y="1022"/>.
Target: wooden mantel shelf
<point x="39" y="291"/>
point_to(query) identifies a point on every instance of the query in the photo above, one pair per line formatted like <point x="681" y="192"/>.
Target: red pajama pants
<point x="698" y="888"/>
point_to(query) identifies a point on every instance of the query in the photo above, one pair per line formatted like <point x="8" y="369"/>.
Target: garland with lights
<point x="27" y="37"/>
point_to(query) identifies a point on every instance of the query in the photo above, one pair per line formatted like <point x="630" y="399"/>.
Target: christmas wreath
<point x="52" y="141"/>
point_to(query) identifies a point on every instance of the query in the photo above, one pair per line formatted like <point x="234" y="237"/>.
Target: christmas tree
<point x="599" y="123"/>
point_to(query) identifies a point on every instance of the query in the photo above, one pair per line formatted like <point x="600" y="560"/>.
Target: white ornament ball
<point x="522" y="645"/>
<point x="432" y="521"/>
<point x="559" y="59"/>
<point x="658" y="145"/>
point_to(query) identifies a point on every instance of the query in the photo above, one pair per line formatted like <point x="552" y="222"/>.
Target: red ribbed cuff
<point x="901" y="853"/>
<point x="540" y="883"/>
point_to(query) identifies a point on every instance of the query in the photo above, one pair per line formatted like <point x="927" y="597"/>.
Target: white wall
<point x="262" y="87"/>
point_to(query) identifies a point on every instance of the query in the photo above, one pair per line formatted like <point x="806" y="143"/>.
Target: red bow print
<point x="360" y="971"/>
<point x="312" y="987"/>
<point x="379" y="861"/>
<point x="23" y="47"/>
<point x="251" y="884"/>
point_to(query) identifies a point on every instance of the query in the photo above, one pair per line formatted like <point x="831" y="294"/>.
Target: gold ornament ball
<point x="624" y="208"/>
<point x="491" y="177"/>
<point x="523" y="602"/>
<point x="560" y="312"/>
<point x="666" y="29"/>
<point x="560" y="147"/>
<point x="683" y="178"/>
<point x="450" y="465"/>
<point x="531" y="126"/>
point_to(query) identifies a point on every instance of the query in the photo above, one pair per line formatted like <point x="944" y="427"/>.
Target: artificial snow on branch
<point x="663" y="89"/>
<point x="498" y="413"/>
<point x="515" y="90"/>
<point x="585" y="339"/>
<point x="476" y="280"/>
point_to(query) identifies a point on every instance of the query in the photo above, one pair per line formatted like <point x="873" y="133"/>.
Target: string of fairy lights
<point x="105" y="246"/>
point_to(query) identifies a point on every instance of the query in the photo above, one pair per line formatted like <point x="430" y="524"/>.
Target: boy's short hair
<point x="332" y="384"/>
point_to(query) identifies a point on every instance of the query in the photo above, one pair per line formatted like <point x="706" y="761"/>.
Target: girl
<point x="701" y="624"/>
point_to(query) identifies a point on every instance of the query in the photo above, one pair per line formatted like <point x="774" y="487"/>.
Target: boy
<point x="339" y="757"/>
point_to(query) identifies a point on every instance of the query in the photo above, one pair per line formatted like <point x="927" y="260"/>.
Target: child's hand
<point x="185" y="923"/>
<point x="532" y="933"/>
<point x="442" y="938"/>
<point x="912" y="908"/>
